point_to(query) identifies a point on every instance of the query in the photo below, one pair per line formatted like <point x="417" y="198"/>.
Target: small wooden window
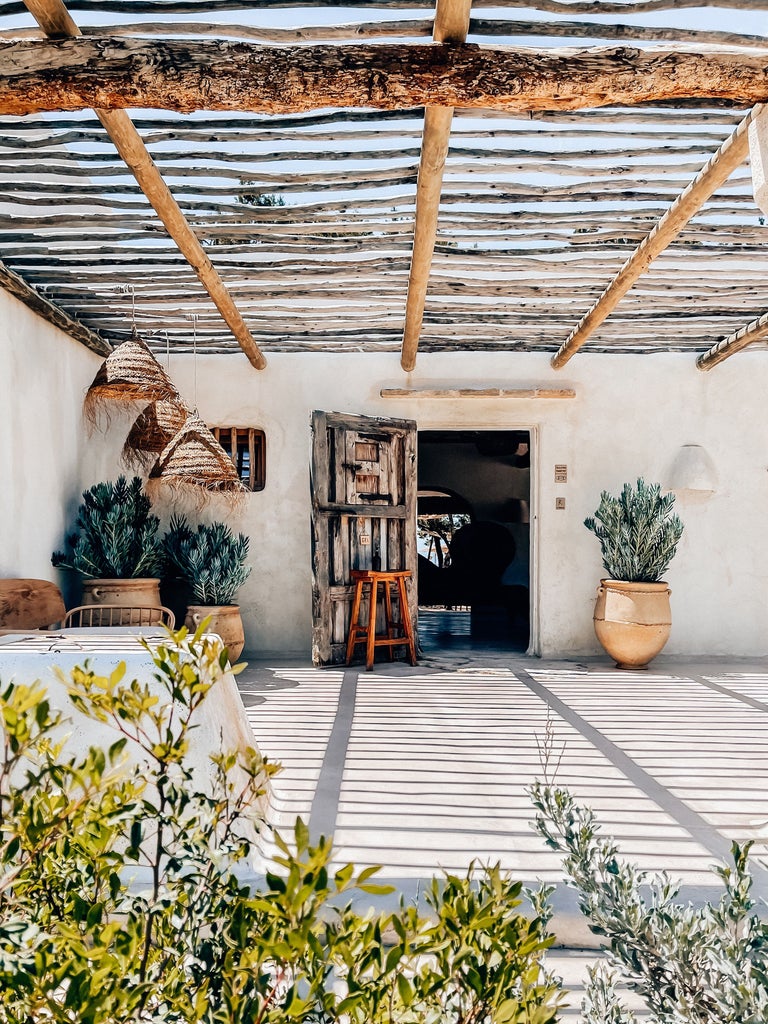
<point x="247" y="447"/>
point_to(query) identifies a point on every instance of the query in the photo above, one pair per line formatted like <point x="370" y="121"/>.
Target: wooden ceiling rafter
<point x="55" y="20"/>
<point x="451" y="25"/>
<point x="535" y="206"/>
<point x="51" y="311"/>
<point x="710" y="178"/>
<point x="40" y="76"/>
<point x="756" y="330"/>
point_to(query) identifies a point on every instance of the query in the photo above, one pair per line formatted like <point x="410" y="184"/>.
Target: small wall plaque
<point x="561" y="474"/>
<point x="365" y="538"/>
<point x="559" y="502"/>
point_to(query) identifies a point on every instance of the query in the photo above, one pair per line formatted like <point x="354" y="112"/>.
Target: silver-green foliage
<point x="210" y="560"/>
<point x="638" y="532"/>
<point x="192" y="943"/>
<point x="116" y="534"/>
<point x="691" y="965"/>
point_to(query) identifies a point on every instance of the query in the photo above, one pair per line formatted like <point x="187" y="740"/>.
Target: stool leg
<point x="405" y="614"/>
<point x="353" y="620"/>
<point x="388" y="610"/>
<point x="371" y="638"/>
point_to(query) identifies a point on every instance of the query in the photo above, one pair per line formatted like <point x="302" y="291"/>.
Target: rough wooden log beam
<point x="451" y="26"/>
<point x="187" y="75"/>
<point x="55" y="20"/>
<point x="710" y="178"/>
<point x="49" y="311"/>
<point x="757" y="330"/>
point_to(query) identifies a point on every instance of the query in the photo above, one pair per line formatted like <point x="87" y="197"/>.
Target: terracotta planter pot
<point x="632" y="620"/>
<point x="225" y="620"/>
<point x="137" y="593"/>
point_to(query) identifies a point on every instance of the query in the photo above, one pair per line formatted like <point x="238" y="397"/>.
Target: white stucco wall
<point x="43" y="377"/>
<point x="630" y="416"/>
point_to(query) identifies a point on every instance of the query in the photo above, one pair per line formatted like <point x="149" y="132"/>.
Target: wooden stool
<point x="366" y="632"/>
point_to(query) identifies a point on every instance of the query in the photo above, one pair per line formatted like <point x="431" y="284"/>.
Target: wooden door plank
<point x="321" y="600"/>
<point x="337" y="440"/>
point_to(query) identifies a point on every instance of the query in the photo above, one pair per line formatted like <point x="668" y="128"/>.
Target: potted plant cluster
<point x="115" y="546"/>
<point x="210" y="561"/>
<point x="638" y="534"/>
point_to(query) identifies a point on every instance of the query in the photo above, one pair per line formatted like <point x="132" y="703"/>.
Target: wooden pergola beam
<point x="54" y="314"/>
<point x="54" y="19"/>
<point x="710" y="178"/>
<point x="184" y="75"/>
<point x="756" y="330"/>
<point x="451" y="27"/>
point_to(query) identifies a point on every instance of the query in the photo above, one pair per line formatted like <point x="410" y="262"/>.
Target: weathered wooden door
<point x="363" y="516"/>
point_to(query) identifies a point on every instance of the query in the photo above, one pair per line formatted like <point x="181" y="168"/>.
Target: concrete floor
<point x="426" y="768"/>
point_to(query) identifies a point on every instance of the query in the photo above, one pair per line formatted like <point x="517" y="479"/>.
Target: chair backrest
<point x="87" y="615"/>
<point x="30" y="604"/>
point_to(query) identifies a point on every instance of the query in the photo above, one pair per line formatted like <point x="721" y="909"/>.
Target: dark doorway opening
<point x="474" y="491"/>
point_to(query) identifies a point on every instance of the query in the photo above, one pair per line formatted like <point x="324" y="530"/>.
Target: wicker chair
<point x="87" y="615"/>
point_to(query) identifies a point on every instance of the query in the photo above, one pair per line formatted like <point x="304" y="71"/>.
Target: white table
<point x="220" y="721"/>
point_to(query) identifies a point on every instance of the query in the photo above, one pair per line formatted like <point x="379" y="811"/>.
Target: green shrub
<point x="209" y="560"/>
<point x="116" y="536"/>
<point x="638" y="532"/>
<point x="194" y="943"/>
<point x="691" y="965"/>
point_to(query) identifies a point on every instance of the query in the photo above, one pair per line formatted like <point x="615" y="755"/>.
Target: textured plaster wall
<point x="630" y="416"/>
<point x="43" y="376"/>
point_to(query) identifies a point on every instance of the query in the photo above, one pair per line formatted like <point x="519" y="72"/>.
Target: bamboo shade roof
<point x="308" y="218"/>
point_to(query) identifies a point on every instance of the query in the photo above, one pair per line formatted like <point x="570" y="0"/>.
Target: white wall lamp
<point x="692" y="474"/>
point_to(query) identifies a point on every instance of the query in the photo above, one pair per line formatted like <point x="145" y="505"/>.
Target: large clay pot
<point x="142" y="592"/>
<point x="632" y="620"/>
<point x="225" y="620"/>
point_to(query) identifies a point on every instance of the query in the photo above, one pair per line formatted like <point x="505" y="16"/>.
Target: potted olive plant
<point x="210" y="561"/>
<point x="638" y="534"/>
<point x="115" y="547"/>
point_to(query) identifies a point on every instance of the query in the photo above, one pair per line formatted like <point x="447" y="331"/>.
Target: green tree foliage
<point x="116" y="536"/>
<point x="122" y="896"/>
<point x="438" y="530"/>
<point x="210" y="560"/>
<point x="638" y="532"/>
<point x="691" y="965"/>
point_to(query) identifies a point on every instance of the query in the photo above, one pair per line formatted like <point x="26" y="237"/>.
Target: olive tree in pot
<point x="210" y="561"/>
<point x="115" y="547"/>
<point x="638" y="534"/>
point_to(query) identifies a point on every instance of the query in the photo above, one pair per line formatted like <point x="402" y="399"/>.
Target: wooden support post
<point x="757" y="330"/>
<point x="710" y="178"/>
<point x="451" y="26"/>
<point x="54" y="19"/>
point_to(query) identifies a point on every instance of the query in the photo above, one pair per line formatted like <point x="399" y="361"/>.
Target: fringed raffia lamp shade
<point x="129" y="374"/>
<point x="195" y="462"/>
<point x="153" y="431"/>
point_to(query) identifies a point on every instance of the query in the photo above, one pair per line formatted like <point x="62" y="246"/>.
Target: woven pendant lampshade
<point x="153" y="431"/>
<point x="194" y="461"/>
<point x="129" y="374"/>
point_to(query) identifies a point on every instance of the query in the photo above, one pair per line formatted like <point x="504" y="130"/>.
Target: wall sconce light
<point x="692" y="473"/>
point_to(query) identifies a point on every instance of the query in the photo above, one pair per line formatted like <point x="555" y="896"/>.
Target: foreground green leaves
<point x="691" y="965"/>
<point x="123" y="895"/>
